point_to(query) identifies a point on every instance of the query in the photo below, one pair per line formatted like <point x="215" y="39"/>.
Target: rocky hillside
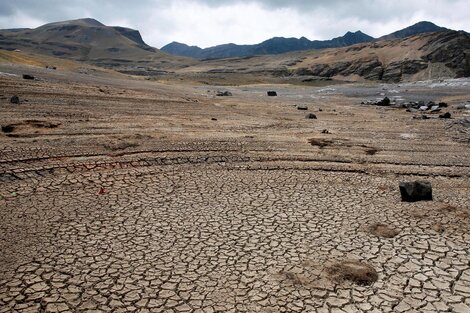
<point x="430" y="55"/>
<point x="444" y="54"/>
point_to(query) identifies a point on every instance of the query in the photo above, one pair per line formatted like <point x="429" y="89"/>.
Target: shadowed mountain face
<point x="84" y="40"/>
<point x="274" y="45"/>
<point x="279" y="45"/>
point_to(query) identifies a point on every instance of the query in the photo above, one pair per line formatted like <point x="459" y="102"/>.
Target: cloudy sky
<point x="211" y="22"/>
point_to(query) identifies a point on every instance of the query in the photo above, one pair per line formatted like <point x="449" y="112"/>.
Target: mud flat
<point x="125" y="195"/>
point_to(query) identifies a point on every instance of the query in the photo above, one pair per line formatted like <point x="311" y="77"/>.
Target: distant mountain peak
<point x="415" y="29"/>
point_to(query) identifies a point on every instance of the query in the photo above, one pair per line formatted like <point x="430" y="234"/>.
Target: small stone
<point x="15" y="100"/>
<point x="311" y="116"/>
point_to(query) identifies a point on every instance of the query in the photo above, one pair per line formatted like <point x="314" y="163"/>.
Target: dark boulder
<point x="311" y="116"/>
<point x="445" y="115"/>
<point x="27" y="76"/>
<point x="416" y="191"/>
<point x="272" y="93"/>
<point x="15" y="100"/>
<point x="385" y="102"/>
<point x="224" y="94"/>
<point x="302" y="107"/>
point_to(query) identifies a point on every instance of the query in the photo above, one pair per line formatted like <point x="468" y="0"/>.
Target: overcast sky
<point x="212" y="22"/>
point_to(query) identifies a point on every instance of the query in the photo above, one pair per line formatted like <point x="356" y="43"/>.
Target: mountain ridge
<point x="278" y="45"/>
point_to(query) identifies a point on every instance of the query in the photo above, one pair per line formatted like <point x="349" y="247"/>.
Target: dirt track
<point x="148" y="198"/>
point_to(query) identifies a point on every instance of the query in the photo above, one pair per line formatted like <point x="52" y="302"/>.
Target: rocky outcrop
<point x="451" y="48"/>
<point x="395" y="70"/>
<point x="370" y="68"/>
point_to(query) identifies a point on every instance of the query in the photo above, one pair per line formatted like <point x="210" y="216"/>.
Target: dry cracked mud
<point x="139" y="201"/>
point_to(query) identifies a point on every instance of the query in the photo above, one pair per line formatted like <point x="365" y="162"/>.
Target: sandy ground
<point x="126" y="195"/>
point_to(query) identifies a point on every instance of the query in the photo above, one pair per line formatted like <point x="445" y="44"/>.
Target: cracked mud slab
<point x="164" y="212"/>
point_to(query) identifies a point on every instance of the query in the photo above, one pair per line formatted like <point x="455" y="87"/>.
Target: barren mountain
<point x="87" y="40"/>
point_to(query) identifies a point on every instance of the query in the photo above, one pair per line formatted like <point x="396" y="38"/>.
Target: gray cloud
<point x="210" y="22"/>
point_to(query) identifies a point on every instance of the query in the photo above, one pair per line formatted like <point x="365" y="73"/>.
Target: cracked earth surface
<point x="155" y="209"/>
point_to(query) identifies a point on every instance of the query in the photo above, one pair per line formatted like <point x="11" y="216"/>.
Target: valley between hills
<point x="134" y="180"/>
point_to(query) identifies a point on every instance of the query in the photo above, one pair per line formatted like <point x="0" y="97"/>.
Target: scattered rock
<point x="371" y="150"/>
<point x="435" y="108"/>
<point x="8" y="128"/>
<point x="51" y="67"/>
<point x="445" y="115"/>
<point x="382" y="230"/>
<point x="224" y="94"/>
<point x="416" y="191"/>
<point x="443" y="105"/>
<point x="311" y="116"/>
<point x="384" y="102"/>
<point x="27" y="76"/>
<point x="213" y="119"/>
<point x="15" y="100"/>
<point x="355" y="271"/>
<point x="302" y="107"/>
<point x="325" y="131"/>
<point x="272" y="93"/>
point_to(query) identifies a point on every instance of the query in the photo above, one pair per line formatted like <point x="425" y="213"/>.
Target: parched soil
<point x="124" y="195"/>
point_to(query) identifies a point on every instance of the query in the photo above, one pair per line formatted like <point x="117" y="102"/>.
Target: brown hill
<point x="89" y="41"/>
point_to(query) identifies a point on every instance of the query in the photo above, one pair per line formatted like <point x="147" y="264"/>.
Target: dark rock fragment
<point x="311" y="116"/>
<point x="224" y="94"/>
<point x="416" y="191"/>
<point x="15" y="100"/>
<point x="445" y="115"/>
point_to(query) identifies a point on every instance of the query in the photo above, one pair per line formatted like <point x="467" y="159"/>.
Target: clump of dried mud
<point x="354" y="271"/>
<point x="382" y="230"/>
